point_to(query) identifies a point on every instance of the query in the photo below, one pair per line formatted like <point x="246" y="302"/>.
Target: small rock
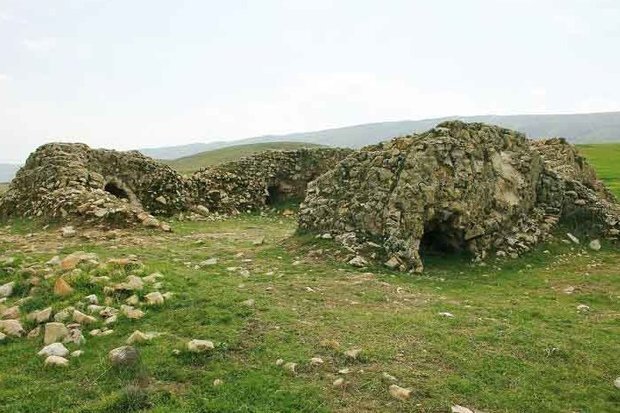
<point x="569" y="290"/>
<point x="200" y="346"/>
<point x="124" y="356"/>
<point x="329" y="343"/>
<point x="617" y="382"/>
<point x="54" y="349"/>
<point x="76" y="353"/>
<point x="154" y="298"/>
<point x="259" y="241"/>
<point x="6" y="290"/>
<point x="290" y="366"/>
<point x="139" y="337"/>
<point x="358" y="261"/>
<point x="153" y="277"/>
<point x="68" y="232"/>
<point x="55" y="332"/>
<point x="353" y="353"/>
<point x="460" y="409"/>
<point x="249" y="303"/>
<point x="400" y="393"/>
<point x="208" y="263"/>
<point x="92" y="299"/>
<point x="573" y="238"/>
<point x="595" y="245"/>
<point x="583" y="308"/>
<point x="12" y="328"/>
<point x="132" y="313"/>
<point x="388" y="377"/>
<point x="82" y="318"/>
<point x="446" y="314"/>
<point x="2" y="337"/>
<point x="279" y="362"/>
<point x="392" y="263"/>
<point x="62" y="288"/>
<point x="35" y="332"/>
<point x="316" y="361"/>
<point x="56" y="361"/>
<point x="11" y="313"/>
<point x="217" y="382"/>
<point x="63" y="315"/>
<point x="338" y="382"/>
<point x="133" y="300"/>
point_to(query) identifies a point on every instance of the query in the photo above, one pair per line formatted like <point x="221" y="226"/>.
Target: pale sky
<point x="141" y="73"/>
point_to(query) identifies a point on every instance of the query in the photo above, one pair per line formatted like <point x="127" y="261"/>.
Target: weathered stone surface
<point x="399" y="393"/>
<point x="124" y="356"/>
<point x="55" y="332"/>
<point x="12" y="328"/>
<point x="457" y="187"/>
<point x="56" y="361"/>
<point x="62" y="287"/>
<point x="54" y="349"/>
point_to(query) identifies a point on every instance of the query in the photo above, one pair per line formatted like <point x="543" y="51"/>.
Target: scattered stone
<point x="316" y="361"/>
<point x="130" y="312"/>
<point x="572" y="238"/>
<point x="62" y="287"/>
<point x="35" y="332"/>
<point x="617" y="382"/>
<point x="75" y="336"/>
<point x="399" y="393"/>
<point x="139" y="337"/>
<point x="290" y="366"/>
<point x="279" y="362"/>
<point x="68" y="232"/>
<point x="92" y="299"/>
<point x="569" y="290"/>
<point x="329" y="343"/>
<point x="339" y="382"/>
<point x="73" y="260"/>
<point x="353" y="353"/>
<point x="446" y="314"/>
<point x="55" y="332"/>
<point x="460" y="409"/>
<point x="249" y="302"/>
<point x="6" y="290"/>
<point x="82" y="318"/>
<point x="154" y="298"/>
<point x="393" y="263"/>
<point x="2" y="337"/>
<point x="153" y="277"/>
<point x="10" y="313"/>
<point x="76" y="353"/>
<point x="358" y="261"/>
<point x="200" y="346"/>
<point x="388" y="377"/>
<point x="217" y="382"/>
<point x="12" y="328"/>
<point x="133" y="300"/>
<point x="124" y="356"/>
<point x="259" y="241"/>
<point x="56" y="361"/>
<point x="583" y="308"/>
<point x="595" y="245"/>
<point x="208" y="263"/>
<point x="54" y="349"/>
<point x="133" y="283"/>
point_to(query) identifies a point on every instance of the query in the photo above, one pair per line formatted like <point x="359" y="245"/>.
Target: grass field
<point x="606" y="160"/>
<point x="196" y="162"/>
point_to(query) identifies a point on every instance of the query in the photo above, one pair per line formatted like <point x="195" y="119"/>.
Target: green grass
<point x="606" y="159"/>
<point x="516" y="343"/>
<point x="196" y="162"/>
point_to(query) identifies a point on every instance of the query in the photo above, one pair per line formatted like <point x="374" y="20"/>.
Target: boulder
<point x="55" y="332"/>
<point x="125" y="356"/>
<point x="54" y="349"/>
<point x="200" y="346"/>
<point x="12" y="328"/>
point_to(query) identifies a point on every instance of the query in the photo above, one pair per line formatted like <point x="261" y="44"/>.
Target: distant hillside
<point x="217" y="156"/>
<point x="577" y="128"/>
<point x="7" y="171"/>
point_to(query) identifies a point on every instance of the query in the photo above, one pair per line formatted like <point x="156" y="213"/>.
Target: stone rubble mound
<point x="262" y="180"/>
<point x="62" y="181"/>
<point x="458" y="187"/>
<point x="72" y="182"/>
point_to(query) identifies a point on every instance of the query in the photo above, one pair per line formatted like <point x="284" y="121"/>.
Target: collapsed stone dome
<point x="262" y="180"/>
<point x="61" y="180"/>
<point x="457" y="187"/>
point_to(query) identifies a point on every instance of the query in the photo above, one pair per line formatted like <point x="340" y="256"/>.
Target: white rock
<point x="249" y="303"/>
<point x="217" y="382"/>
<point x="82" y="318"/>
<point x="68" y="232"/>
<point x="460" y="409"/>
<point x="208" y="263"/>
<point x="279" y="362"/>
<point x="2" y="337"/>
<point x="92" y="299"/>
<point x="76" y="353"/>
<point x="6" y="290"/>
<point x="56" y="361"/>
<point x="583" y="307"/>
<point x="139" y="337"/>
<point x="338" y="382"/>
<point x="290" y="366"/>
<point x="595" y="245"/>
<point x="446" y="314"/>
<point x="132" y="313"/>
<point x="123" y="356"/>
<point x="388" y="376"/>
<point x="316" y="361"/>
<point x="573" y="238"/>
<point x="617" y="382"/>
<point x="353" y="353"/>
<point x="54" y="349"/>
<point x="200" y="346"/>
<point x="399" y="393"/>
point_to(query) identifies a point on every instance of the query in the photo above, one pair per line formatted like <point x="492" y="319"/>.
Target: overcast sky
<point x="142" y="73"/>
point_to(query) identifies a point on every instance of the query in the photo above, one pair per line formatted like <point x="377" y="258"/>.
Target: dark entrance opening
<point x="113" y="189"/>
<point x="440" y="239"/>
<point x="274" y="196"/>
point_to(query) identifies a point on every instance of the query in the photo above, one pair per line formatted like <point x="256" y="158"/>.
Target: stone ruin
<point x="458" y="187"/>
<point x="74" y="183"/>
<point x="262" y="180"/>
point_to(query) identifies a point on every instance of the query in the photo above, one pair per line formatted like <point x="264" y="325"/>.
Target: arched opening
<point x="115" y="190"/>
<point x="274" y="196"/>
<point x="440" y="239"/>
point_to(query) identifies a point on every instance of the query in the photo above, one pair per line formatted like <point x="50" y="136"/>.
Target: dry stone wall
<point x="457" y="187"/>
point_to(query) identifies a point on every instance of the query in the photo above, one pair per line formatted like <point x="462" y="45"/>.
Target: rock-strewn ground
<point x="458" y="187"/>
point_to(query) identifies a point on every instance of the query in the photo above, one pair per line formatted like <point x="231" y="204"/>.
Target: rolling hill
<point x="198" y="161"/>
<point x="7" y="171"/>
<point x="577" y="128"/>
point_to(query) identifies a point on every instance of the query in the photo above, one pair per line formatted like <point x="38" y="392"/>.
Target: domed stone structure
<point x="457" y="187"/>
